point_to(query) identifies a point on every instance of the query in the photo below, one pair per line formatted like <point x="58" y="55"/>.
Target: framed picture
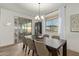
<point x="74" y="23"/>
<point x="51" y="25"/>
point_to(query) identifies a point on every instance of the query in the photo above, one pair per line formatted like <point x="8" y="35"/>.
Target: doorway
<point x="23" y="27"/>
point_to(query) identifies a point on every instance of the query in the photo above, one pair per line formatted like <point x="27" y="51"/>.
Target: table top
<point x="54" y="43"/>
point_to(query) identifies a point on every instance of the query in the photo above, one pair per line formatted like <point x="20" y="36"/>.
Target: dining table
<point x="54" y="44"/>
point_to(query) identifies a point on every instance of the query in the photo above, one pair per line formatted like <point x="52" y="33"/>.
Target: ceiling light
<point x="39" y="17"/>
<point x="42" y="17"/>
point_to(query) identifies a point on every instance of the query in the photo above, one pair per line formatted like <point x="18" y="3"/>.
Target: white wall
<point x="65" y="33"/>
<point x="7" y="32"/>
<point x="71" y="37"/>
<point x="62" y="19"/>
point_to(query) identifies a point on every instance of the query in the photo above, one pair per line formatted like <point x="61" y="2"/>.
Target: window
<point x="25" y="25"/>
<point x="26" y="28"/>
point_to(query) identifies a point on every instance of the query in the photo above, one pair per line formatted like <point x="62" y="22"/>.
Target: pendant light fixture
<point x="39" y="17"/>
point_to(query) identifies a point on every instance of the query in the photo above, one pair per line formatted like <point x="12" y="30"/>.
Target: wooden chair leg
<point x="25" y="49"/>
<point x="23" y="46"/>
<point x="58" y="52"/>
<point x="33" y="53"/>
<point x="50" y="54"/>
<point x="29" y="51"/>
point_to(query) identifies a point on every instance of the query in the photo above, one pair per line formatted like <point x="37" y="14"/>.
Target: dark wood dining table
<point x="55" y="44"/>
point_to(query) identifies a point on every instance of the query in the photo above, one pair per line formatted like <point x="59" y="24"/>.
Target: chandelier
<point x="39" y="17"/>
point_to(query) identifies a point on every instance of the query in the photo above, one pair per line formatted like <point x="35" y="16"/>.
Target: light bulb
<point x="42" y="17"/>
<point x="36" y="17"/>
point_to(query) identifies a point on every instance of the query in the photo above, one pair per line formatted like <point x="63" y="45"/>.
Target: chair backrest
<point x="56" y="37"/>
<point x="30" y="43"/>
<point x="45" y="35"/>
<point x="24" y="40"/>
<point x="41" y="49"/>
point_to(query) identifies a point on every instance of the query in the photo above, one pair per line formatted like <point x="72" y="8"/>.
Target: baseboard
<point x="9" y="45"/>
<point x="73" y="51"/>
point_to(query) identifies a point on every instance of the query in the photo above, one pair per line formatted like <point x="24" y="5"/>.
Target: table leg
<point x="65" y="49"/>
<point x="52" y="51"/>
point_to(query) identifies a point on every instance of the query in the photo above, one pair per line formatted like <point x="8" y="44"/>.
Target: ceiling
<point x="31" y="9"/>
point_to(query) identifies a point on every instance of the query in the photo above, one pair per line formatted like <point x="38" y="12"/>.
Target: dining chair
<point x="41" y="49"/>
<point x="58" y="38"/>
<point x="23" y="39"/>
<point x="25" y="44"/>
<point x="45" y="35"/>
<point x="31" y="46"/>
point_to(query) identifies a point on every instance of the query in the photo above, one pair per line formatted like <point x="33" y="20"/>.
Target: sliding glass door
<point x="23" y="27"/>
